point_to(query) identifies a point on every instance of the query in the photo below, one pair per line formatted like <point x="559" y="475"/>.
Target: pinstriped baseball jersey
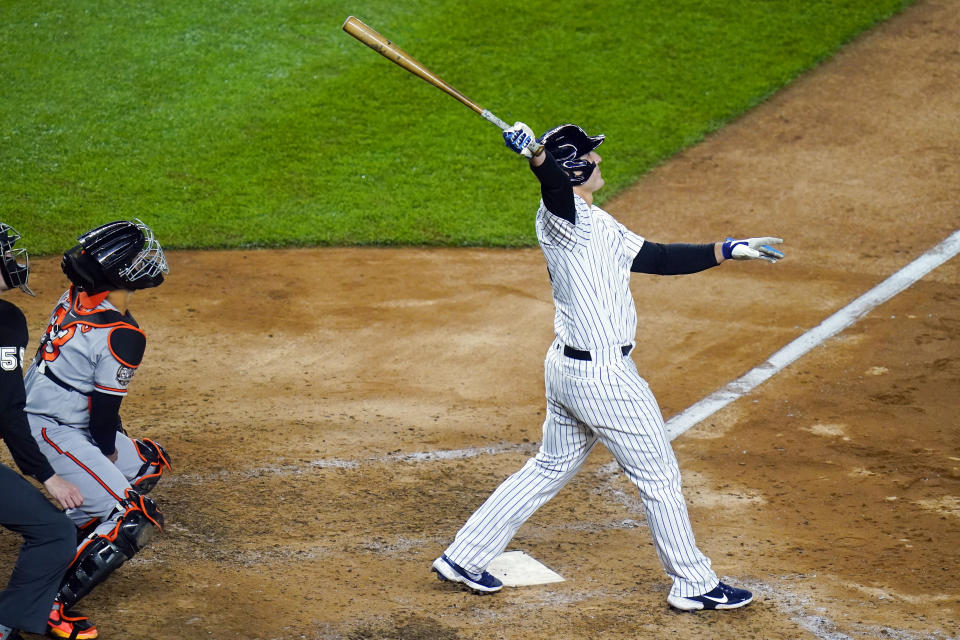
<point x="589" y="265"/>
<point x="80" y="355"/>
<point x="594" y="394"/>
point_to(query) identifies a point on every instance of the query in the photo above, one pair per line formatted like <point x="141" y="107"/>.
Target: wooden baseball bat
<point x="393" y="53"/>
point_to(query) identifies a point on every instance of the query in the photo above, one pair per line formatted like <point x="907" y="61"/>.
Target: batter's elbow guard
<point x="155" y="461"/>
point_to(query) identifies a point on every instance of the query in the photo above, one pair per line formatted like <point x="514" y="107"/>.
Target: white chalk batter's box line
<point x="683" y="421"/>
<point x="833" y="325"/>
<point x="335" y="463"/>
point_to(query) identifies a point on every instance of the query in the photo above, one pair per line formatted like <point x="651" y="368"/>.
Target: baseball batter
<point x="79" y="377"/>
<point x="593" y="390"/>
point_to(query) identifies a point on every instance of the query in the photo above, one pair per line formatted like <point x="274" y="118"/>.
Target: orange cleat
<point x="66" y="624"/>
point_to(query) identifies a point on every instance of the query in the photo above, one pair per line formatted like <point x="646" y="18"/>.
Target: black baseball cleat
<point x="447" y="570"/>
<point x="723" y="596"/>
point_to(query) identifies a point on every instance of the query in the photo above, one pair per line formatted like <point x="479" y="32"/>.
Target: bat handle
<point x="534" y="146"/>
<point x="495" y="120"/>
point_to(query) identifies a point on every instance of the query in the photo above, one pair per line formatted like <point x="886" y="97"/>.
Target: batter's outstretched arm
<point x="675" y="259"/>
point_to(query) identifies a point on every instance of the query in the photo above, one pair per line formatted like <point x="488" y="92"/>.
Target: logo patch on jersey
<point x="125" y="375"/>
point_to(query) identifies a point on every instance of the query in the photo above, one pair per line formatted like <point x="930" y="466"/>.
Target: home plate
<point x="517" y="569"/>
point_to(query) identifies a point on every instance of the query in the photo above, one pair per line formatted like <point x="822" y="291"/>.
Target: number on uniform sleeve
<point x="11" y="358"/>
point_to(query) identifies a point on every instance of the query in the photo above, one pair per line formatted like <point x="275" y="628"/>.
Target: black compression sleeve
<point x="555" y="189"/>
<point x="105" y="420"/>
<point x="673" y="259"/>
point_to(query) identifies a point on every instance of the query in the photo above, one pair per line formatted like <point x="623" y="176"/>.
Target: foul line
<point x="836" y="323"/>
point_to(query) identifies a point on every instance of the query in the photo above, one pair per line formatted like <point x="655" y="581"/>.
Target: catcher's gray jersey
<point x="79" y="356"/>
<point x="76" y="349"/>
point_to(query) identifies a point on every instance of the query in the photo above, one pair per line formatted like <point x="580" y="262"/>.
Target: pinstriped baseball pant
<point x="604" y="400"/>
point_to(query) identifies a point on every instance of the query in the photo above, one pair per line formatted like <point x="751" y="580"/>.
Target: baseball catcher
<point x="79" y="377"/>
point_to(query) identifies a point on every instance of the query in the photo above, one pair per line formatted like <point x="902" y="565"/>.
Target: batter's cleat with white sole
<point x="447" y="570"/>
<point x="723" y="596"/>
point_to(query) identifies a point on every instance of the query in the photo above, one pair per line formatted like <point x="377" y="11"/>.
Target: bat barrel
<point x="370" y="37"/>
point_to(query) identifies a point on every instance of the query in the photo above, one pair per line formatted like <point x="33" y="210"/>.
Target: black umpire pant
<point x="49" y="544"/>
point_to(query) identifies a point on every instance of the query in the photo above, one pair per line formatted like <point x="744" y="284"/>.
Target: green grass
<point x="261" y="123"/>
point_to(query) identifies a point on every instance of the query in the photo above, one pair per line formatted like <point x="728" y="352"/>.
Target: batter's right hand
<point x="751" y="249"/>
<point x="520" y="139"/>
<point x="66" y="493"/>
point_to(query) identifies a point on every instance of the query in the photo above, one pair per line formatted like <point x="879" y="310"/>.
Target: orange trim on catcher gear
<point x="114" y="353"/>
<point x="163" y="459"/>
<point x="70" y="327"/>
<point x="141" y="508"/>
<point x="80" y="307"/>
<point x="142" y="479"/>
<point x="88" y="301"/>
<point x="112" y="534"/>
<point x="43" y="432"/>
<point x="121" y="392"/>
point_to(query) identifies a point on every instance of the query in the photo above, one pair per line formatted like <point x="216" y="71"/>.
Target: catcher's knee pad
<point x="136" y="520"/>
<point x="155" y="460"/>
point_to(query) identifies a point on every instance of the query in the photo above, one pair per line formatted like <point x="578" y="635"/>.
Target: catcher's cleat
<point x="67" y="624"/>
<point x="449" y="571"/>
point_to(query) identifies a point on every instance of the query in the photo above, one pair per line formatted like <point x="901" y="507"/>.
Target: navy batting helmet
<point x="568" y="143"/>
<point x="118" y="255"/>
<point x="14" y="263"/>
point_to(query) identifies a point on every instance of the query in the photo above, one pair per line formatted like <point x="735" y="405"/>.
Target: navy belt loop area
<point x="578" y="354"/>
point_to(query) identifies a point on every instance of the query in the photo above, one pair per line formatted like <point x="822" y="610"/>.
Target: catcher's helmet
<point x="568" y="143"/>
<point x="14" y="263"/>
<point x="118" y="255"/>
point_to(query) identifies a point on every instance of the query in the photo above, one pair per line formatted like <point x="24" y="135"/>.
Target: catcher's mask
<point x="568" y="144"/>
<point x="14" y="263"/>
<point x="118" y="255"/>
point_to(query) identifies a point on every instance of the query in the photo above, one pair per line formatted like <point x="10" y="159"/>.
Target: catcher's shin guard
<point x="136" y="520"/>
<point x="155" y="460"/>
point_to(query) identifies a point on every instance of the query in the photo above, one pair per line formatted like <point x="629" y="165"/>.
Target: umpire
<point x="49" y="536"/>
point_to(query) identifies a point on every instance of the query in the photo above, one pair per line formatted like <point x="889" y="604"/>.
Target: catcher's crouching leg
<point x="136" y="520"/>
<point x="155" y="461"/>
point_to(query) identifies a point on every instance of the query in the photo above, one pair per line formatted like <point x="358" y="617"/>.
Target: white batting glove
<point x="752" y="249"/>
<point x="520" y="139"/>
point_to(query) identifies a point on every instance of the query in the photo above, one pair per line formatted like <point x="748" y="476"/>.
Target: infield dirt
<point x="334" y="415"/>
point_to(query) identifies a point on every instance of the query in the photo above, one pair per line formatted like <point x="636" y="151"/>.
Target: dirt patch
<point x="335" y="415"/>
